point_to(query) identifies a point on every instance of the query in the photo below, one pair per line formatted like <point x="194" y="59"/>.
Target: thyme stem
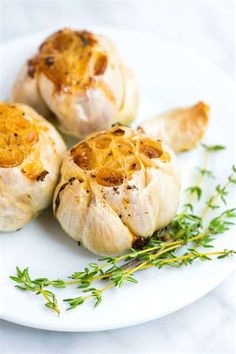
<point x="168" y="247"/>
<point x="55" y="307"/>
<point x="215" y="198"/>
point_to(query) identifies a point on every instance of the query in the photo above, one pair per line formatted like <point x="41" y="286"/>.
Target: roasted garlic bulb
<point x="181" y="128"/>
<point x="116" y="187"/>
<point x="81" y="79"/>
<point x="30" y="157"/>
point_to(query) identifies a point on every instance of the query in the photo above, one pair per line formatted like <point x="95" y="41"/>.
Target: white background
<point x="207" y="27"/>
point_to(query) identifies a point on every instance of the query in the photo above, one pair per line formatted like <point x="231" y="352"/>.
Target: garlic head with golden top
<point x="81" y="79"/>
<point x="116" y="186"/>
<point x="30" y="157"/>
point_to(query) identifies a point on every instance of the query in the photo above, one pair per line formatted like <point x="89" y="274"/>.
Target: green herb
<point x="37" y="286"/>
<point x="205" y="172"/>
<point x="222" y="222"/>
<point x="195" y="190"/>
<point x="213" y="147"/>
<point x="221" y="191"/>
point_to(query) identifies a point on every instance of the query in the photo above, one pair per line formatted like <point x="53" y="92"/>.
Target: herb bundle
<point x="187" y="232"/>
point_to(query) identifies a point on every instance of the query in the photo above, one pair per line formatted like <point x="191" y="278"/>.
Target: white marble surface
<point x="209" y="325"/>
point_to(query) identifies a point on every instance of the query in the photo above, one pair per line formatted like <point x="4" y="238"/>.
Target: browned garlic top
<point x="113" y="156"/>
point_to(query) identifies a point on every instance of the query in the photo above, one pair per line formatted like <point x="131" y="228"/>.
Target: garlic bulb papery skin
<point x="116" y="186"/>
<point x="31" y="152"/>
<point x="80" y="78"/>
<point x="180" y="128"/>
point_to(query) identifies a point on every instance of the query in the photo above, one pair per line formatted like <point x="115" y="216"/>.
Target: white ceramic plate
<point x="169" y="76"/>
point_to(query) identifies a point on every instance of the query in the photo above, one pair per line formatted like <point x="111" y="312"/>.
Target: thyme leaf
<point x="213" y="147"/>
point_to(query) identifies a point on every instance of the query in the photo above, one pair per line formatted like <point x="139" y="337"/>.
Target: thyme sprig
<point x="119" y="277"/>
<point x="186" y="232"/>
<point x="37" y="286"/>
<point x="195" y="191"/>
<point x="221" y="192"/>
